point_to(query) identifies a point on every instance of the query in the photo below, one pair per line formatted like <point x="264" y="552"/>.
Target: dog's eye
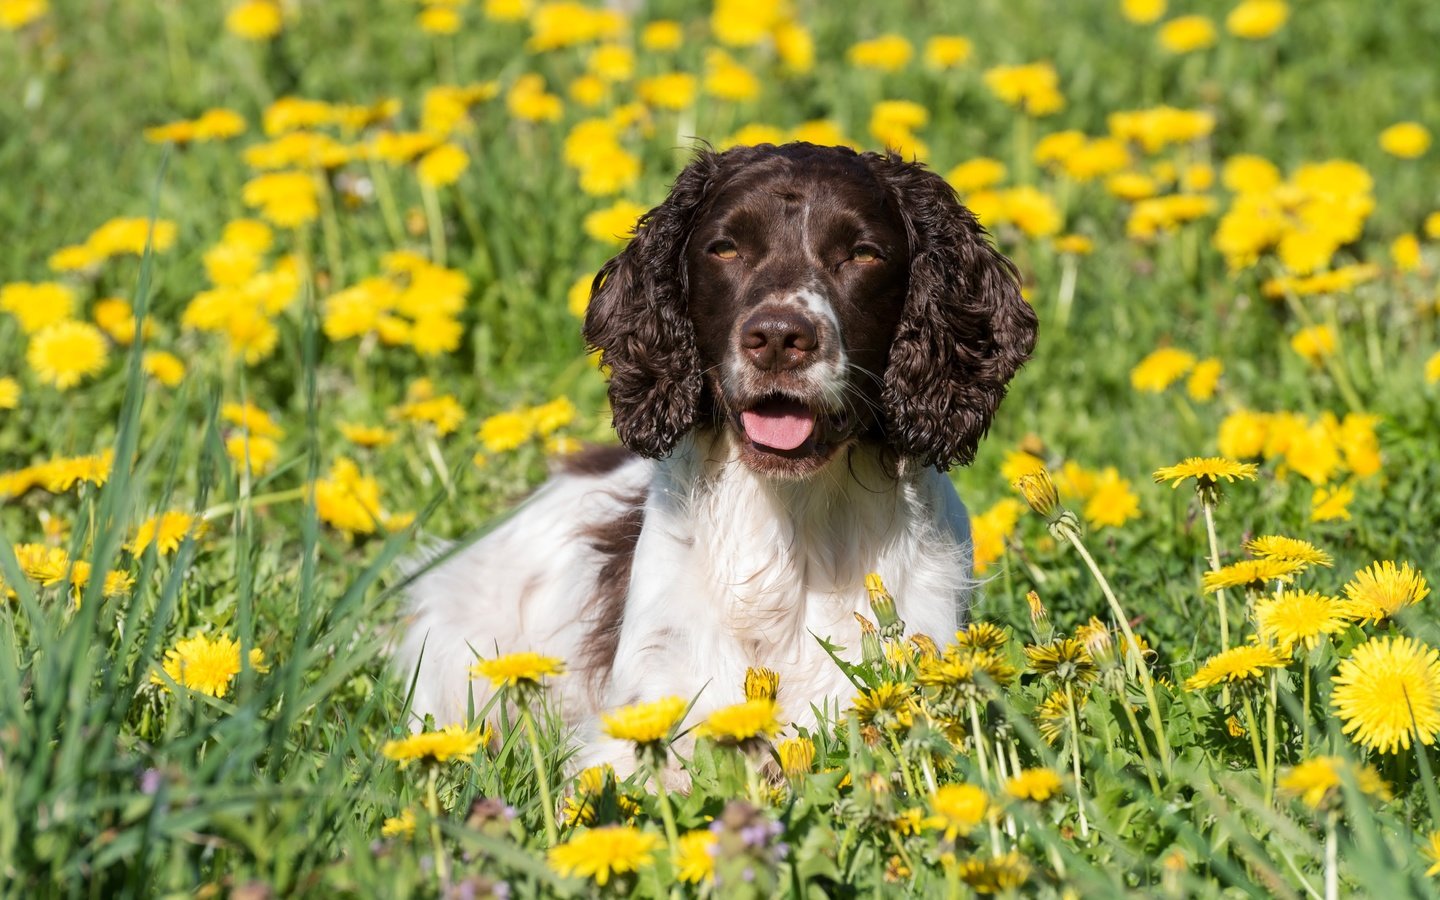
<point x="865" y="254"/>
<point x="724" y="249"/>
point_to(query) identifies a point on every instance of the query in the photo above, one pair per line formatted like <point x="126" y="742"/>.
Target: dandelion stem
<point x="1305" y="713"/>
<point x="380" y="177"/>
<point x="1156" y="721"/>
<point x="667" y="813"/>
<point x="547" y="805"/>
<point x="1215" y="567"/>
<point x="908" y="778"/>
<point x="979" y="741"/>
<point x="1253" y="727"/>
<point x="1271" y="701"/>
<point x="434" y="223"/>
<point x="1066" y="295"/>
<point x="1140" y="742"/>
<point x="1075" y="760"/>
<point x="432" y="805"/>
<point x="437" y="460"/>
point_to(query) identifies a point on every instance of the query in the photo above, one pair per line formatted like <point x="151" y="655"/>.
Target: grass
<point x="114" y="781"/>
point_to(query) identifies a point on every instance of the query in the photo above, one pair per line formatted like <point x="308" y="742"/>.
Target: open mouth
<point x="786" y="436"/>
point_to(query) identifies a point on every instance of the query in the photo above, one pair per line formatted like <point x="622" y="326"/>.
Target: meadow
<point x="288" y="288"/>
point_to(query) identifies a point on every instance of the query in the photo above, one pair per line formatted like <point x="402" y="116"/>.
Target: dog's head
<point x="806" y="297"/>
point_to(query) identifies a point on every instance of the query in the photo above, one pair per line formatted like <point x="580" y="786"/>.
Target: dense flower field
<point x="288" y="286"/>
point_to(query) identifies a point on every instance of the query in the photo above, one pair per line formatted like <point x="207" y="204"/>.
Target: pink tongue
<point x="783" y="425"/>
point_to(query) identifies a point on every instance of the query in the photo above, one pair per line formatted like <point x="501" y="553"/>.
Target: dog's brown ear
<point x="639" y="320"/>
<point x="965" y="329"/>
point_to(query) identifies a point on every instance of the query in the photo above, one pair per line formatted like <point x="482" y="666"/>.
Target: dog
<point x="800" y="341"/>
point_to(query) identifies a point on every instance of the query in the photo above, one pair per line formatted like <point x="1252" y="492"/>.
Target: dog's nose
<point x="777" y="340"/>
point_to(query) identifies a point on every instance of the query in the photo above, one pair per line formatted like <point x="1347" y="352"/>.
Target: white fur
<point x="732" y="569"/>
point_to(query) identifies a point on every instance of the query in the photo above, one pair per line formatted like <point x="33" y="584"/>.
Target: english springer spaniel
<point x="800" y="340"/>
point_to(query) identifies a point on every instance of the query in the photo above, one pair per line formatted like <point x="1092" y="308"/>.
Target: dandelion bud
<point x="883" y="605"/>
<point x="925" y="646"/>
<point x="1040" y="626"/>
<point x="1039" y="491"/>
<point x="870" y="648"/>
<point x="1101" y="647"/>
<point x="797" y="756"/>
<point x="761" y="683"/>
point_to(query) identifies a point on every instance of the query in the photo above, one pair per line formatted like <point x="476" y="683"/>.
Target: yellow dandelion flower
<point x="1237" y="665"/>
<point x="439" y="20"/>
<point x="9" y="393"/>
<point x="1315" y="343"/>
<point x="1331" y="503"/>
<point x="450" y="742"/>
<point x="1274" y="546"/>
<point x="402" y="825"/>
<point x="442" y="166"/>
<point x="1251" y="574"/>
<point x="1066" y="659"/>
<point x="65" y="354"/>
<point x="602" y="853"/>
<point x="1033" y="88"/>
<point x="1206" y="469"/>
<point x="167" y="531"/>
<point x="742" y="722"/>
<point x="47" y="566"/>
<point x="1432" y="368"/>
<point x="887" y="53"/>
<point x="551" y="417"/>
<point x="1431" y="851"/>
<point x="695" y="856"/>
<point x="1407" y="140"/>
<point x="761" y="683"/>
<point x="1203" y="379"/>
<point x="257" y="454"/>
<point x="946" y="51"/>
<point x="1318" y="781"/>
<point x="959" y="808"/>
<point x="517" y="669"/>
<point x="1142" y="12"/>
<point x="1186" y="34"/>
<point x="982" y="637"/>
<point x="615" y="224"/>
<point x="506" y="431"/>
<point x="1405" y="252"/>
<point x="1002" y="874"/>
<point x="206" y="666"/>
<point x="370" y="436"/>
<point x="1378" y="592"/>
<point x="1160" y="369"/>
<point x="347" y="500"/>
<point x="662" y="35"/>
<point x="645" y="723"/>
<point x="255" y="20"/>
<point x="1111" y="502"/>
<point x="673" y="90"/>
<point x="1299" y="617"/>
<point x="164" y="367"/>
<point x="1388" y="692"/>
<point x="797" y="755"/>
<point x="37" y="306"/>
<point x="251" y="418"/>
<point x="1039" y="491"/>
<point x="888" y="705"/>
<point x="1038" y="785"/>
<point x="1256" y="20"/>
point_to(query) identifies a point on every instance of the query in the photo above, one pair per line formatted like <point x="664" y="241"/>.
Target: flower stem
<point x="1215" y="567"/>
<point x="667" y="813"/>
<point x="979" y="741"/>
<point x="1305" y="714"/>
<point x="1075" y="760"/>
<point x="1140" y="742"/>
<point x="1271" y="701"/>
<point x="432" y="805"/>
<point x="1143" y="670"/>
<point x="547" y="805"/>
<point x="1254" y="729"/>
<point x="434" y="223"/>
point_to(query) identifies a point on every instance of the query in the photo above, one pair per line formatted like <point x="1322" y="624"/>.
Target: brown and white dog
<point x="801" y="340"/>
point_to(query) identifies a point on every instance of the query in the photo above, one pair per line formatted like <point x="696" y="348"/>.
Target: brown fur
<point x="615" y="539"/>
